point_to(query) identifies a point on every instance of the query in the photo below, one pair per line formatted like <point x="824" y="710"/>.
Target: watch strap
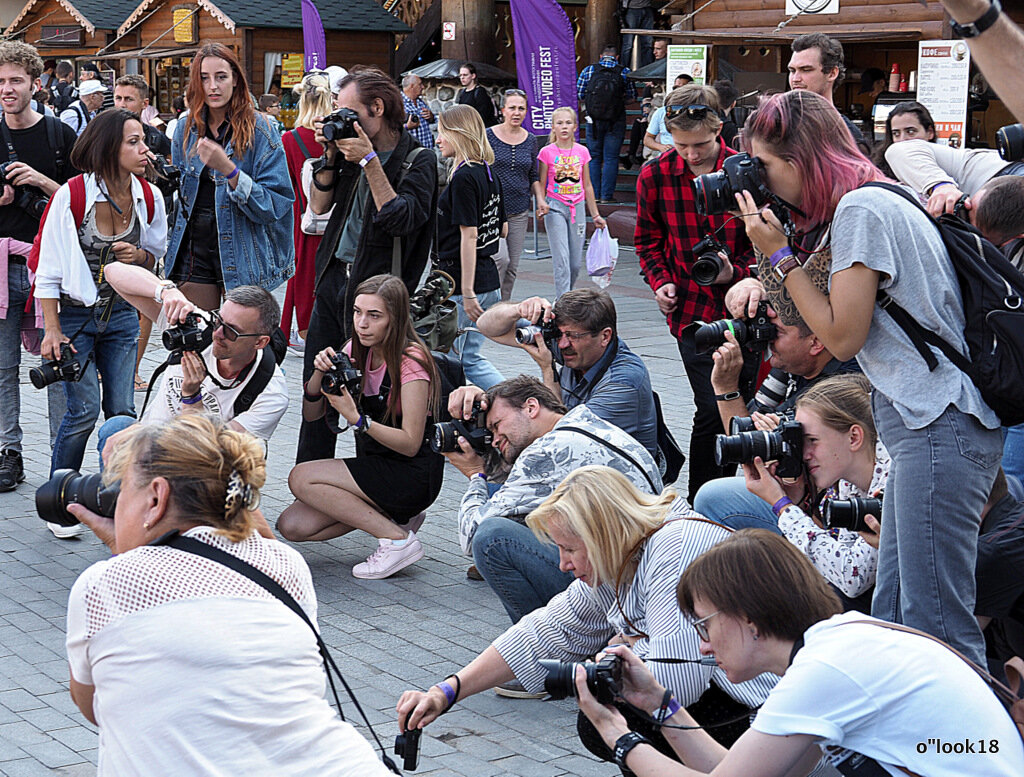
<point x="979" y="25"/>
<point x="786" y="266"/>
<point x="729" y="396"/>
<point x="625" y="744"/>
<point x="161" y="287"/>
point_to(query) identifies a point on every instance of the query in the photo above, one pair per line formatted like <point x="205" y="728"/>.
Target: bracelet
<point x="232" y="174"/>
<point x="481" y="475"/>
<point x="449" y="692"/>
<point x="367" y="159"/>
<point x="728" y="396"/>
<point x="979" y="25"/>
<point x="669" y="707"/>
<point x="781" y="505"/>
<point x="192" y="399"/>
<point x="779" y="255"/>
<point x="310" y="397"/>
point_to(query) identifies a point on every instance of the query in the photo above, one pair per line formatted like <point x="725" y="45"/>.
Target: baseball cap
<point x="92" y="86"/>
<point x="335" y="73"/>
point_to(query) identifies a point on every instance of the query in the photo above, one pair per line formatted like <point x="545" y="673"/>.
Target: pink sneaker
<point x="389" y="558"/>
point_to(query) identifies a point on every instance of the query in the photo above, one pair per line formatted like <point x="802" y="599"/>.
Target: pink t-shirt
<point x="565" y="171"/>
<point x="411" y="370"/>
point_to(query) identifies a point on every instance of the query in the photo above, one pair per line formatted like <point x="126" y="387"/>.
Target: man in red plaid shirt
<point x="667" y="228"/>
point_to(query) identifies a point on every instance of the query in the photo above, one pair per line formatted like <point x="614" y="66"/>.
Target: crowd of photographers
<point x="872" y="481"/>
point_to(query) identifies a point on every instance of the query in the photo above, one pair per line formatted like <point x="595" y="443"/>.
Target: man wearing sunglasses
<point x="235" y="378"/>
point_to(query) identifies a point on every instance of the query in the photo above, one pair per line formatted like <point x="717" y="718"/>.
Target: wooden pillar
<point x="474" y="30"/>
<point x="601" y="28"/>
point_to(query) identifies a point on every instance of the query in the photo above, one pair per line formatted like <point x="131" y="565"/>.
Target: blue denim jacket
<point x="254" y="220"/>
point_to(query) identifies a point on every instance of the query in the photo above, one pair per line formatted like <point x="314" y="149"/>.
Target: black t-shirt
<point x="33" y="148"/>
<point x="472" y="199"/>
<point x="481" y="100"/>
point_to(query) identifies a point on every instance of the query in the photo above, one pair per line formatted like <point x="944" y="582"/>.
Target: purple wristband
<point x="672" y="708"/>
<point x="193" y="399"/>
<point x="449" y="692"/>
<point x="779" y="255"/>
<point x="232" y="174"/>
<point x="781" y="505"/>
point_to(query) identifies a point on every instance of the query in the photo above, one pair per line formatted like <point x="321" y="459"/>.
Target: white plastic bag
<point x="602" y="254"/>
<point x="312" y="223"/>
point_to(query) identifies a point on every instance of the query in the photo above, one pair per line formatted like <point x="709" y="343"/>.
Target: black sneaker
<point x="12" y="471"/>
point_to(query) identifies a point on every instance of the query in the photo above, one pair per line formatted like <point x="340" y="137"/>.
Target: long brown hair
<point x="401" y="340"/>
<point x="241" y="114"/>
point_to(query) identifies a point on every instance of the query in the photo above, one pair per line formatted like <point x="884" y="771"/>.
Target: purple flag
<point x="313" y="41"/>
<point x="545" y="60"/>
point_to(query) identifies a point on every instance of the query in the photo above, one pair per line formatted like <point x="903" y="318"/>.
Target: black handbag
<point x="671" y="454"/>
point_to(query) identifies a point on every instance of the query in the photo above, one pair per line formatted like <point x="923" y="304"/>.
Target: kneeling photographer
<point x="136" y="622"/>
<point x="385" y="384"/>
<point x="626" y="550"/>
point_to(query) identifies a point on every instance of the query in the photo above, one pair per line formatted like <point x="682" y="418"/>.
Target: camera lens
<point x="559" y="683"/>
<point x="707" y="268"/>
<point x="445" y="438"/>
<point x="849" y="513"/>
<point x="742" y="448"/>
<point x="43" y="375"/>
<point x="1010" y="141"/>
<point x="527" y="335"/>
<point x="707" y="337"/>
<point x="741" y="423"/>
<point x="713" y="194"/>
<point x="67" y="486"/>
<point x="773" y="390"/>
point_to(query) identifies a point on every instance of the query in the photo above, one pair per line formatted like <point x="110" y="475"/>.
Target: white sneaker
<point x="66" y="532"/>
<point x="296" y="344"/>
<point x="389" y="558"/>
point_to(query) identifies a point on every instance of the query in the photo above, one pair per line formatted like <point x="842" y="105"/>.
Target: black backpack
<point x="993" y="298"/>
<point x="605" y="97"/>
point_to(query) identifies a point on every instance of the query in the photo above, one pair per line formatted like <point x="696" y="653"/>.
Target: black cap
<point x="867" y="80"/>
<point x="92" y="67"/>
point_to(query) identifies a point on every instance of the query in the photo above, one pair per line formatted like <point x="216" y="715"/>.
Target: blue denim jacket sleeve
<point x="264" y="191"/>
<point x="407" y="213"/>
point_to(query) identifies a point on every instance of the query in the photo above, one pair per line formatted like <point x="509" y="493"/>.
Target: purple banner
<point x="545" y="60"/>
<point x="313" y="42"/>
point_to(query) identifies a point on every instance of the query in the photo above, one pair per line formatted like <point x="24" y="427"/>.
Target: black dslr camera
<point x="407" y="747"/>
<point x="26" y="199"/>
<point x="849" y="513"/>
<point x="445" y="438"/>
<point x="1010" y="142"/>
<point x="784" y="444"/>
<point x="342" y="375"/>
<point x="546" y="330"/>
<point x="340" y="124"/>
<point x="168" y="177"/>
<point x="708" y="264"/>
<point x="716" y="192"/>
<point x="65" y="368"/>
<point x="195" y="333"/>
<point x="604" y="678"/>
<point x="67" y="486"/>
<point x="754" y="333"/>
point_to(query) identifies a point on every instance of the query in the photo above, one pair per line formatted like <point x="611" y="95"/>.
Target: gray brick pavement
<point x="408" y="631"/>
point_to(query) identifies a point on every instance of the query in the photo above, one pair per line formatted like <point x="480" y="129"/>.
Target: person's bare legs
<point x="206" y="296"/>
<point x="329" y="504"/>
<point x="145" y="328"/>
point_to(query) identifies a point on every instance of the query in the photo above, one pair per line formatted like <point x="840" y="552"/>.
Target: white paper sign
<point x="943" y="81"/>
<point x="811" y="7"/>
<point x="448" y="31"/>
<point x="690" y="61"/>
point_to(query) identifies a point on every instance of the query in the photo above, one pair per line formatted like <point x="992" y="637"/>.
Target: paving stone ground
<point x="405" y="632"/>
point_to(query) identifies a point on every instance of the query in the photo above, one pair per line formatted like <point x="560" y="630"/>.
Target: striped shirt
<point x="578" y="622"/>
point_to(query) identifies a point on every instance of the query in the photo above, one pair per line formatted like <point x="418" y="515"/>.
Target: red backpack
<point x="77" y="186"/>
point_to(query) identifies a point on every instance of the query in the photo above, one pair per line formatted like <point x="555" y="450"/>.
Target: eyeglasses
<point x="574" y="336"/>
<point x="700" y="626"/>
<point x="230" y="333"/>
<point x="695" y="112"/>
<point x="520" y="92"/>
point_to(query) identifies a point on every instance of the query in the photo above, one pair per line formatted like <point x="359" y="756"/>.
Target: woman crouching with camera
<point x="626" y="550"/>
<point x="877" y="700"/>
<point x="394" y="476"/>
<point x="185" y="665"/>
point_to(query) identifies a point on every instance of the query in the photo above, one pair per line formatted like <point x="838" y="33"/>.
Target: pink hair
<point x="805" y="129"/>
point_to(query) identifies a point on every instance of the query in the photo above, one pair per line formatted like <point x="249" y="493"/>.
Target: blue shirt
<point x="588" y="72"/>
<point x="421" y="131"/>
<point x="656" y="126"/>
<point x="616" y="389"/>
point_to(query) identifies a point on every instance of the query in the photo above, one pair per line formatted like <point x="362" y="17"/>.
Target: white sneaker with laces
<point x="389" y="558"/>
<point x="66" y="532"/>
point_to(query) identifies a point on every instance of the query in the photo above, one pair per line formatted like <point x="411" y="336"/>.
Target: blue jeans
<point x="518" y="567"/>
<point x="566" y="226"/>
<point x="1013" y="452"/>
<point x="604" y="139"/>
<point x="10" y="358"/>
<point x="114" y="355"/>
<point x="108" y="429"/>
<point x="727" y="501"/>
<point x="939" y="480"/>
<point x="479" y="371"/>
<point x="638" y="19"/>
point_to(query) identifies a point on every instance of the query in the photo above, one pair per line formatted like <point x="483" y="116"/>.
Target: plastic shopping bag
<point x="602" y="254"/>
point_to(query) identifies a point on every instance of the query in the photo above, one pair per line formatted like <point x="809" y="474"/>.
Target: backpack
<point x="272" y="355"/>
<point x="605" y="97"/>
<point x="992" y="290"/>
<point x="77" y="187"/>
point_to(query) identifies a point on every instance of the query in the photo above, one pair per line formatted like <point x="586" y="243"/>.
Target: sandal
<point x="140" y="384"/>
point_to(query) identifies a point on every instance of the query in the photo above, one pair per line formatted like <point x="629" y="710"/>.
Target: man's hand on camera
<point x="176" y="306"/>
<point x="728" y="359"/>
<point x="192" y="373"/>
<point x="872" y="537"/>
<point x="665" y="295"/>
<point x="761" y="482"/>
<point x="944" y="199"/>
<point x="743" y="298"/>
<point x="52" y="340"/>
<point x="21" y="174"/>
<point x="101" y="526"/>
<point x="420" y="708"/>
<point x="536" y="310"/>
<point x="8" y="196"/>
<point x="462" y="399"/>
<point x="355" y="149"/>
<point x="727" y="273"/>
<point x="540" y="353"/>
<point x="468" y="462"/>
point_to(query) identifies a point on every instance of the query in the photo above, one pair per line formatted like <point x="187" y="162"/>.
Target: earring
<point x="145" y="525"/>
<point x="755" y="635"/>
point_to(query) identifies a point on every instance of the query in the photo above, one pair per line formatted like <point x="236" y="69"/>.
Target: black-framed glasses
<point x="694" y="112"/>
<point x="701" y="626"/>
<point x="230" y="333"/>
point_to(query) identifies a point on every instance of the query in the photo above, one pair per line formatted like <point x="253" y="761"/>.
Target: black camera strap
<point x="616" y="449"/>
<point x="12" y="155"/>
<point x="190" y="545"/>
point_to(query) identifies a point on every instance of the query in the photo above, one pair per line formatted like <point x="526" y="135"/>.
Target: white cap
<point x="335" y="73"/>
<point x="92" y="86"/>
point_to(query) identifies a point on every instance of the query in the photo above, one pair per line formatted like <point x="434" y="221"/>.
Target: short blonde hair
<point x="463" y="128"/>
<point x="606" y="511"/>
<point x="199" y="457"/>
<point x="556" y="112"/>
<point x="314" y="93"/>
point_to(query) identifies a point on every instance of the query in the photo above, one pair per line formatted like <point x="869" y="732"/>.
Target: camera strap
<point x="616" y="449"/>
<point x="12" y="155"/>
<point x="190" y="545"/>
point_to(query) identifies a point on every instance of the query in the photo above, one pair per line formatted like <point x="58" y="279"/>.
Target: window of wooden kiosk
<point x="171" y="81"/>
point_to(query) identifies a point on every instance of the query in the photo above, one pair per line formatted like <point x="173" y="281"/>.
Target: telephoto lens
<point x="67" y="486"/>
<point x="1010" y="141"/>
<point x="849" y="513"/>
<point x="773" y="390"/>
<point x="604" y="678"/>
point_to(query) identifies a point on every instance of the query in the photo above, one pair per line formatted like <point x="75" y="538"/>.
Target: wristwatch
<point x="161" y="287"/>
<point x="979" y="25"/>
<point x="729" y="396"/>
<point x="625" y="743"/>
<point x="786" y="266"/>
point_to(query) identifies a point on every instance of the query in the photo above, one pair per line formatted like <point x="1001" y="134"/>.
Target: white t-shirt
<point x="199" y="671"/>
<point x="260" y="419"/>
<point x="890" y="696"/>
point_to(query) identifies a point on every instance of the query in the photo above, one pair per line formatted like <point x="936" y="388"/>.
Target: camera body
<point x="754" y="333"/>
<point x="66" y="486"/>
<point x="195" y="333"/>
<point x="1010" y="142"/>
<point x="437" y="289"/>
<point x="716" y="192"/>
<point x="445" y="438"/>
<point x="342" y="375"/>
<point x="604" y="678"/>
<point x="784" y="444"/>
<point x="849" y="513"/>
<point x="30" y="202"/>
<point x="65" y="368"/>
<point x="708" y="264"/>
<point x="168" y="177"/>
<point x="546" y="330"/>
<point x="340" y="124"/>
<point x="407" y="747"/>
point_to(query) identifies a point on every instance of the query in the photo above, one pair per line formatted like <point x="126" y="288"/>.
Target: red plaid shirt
<point x="668" y="226"/>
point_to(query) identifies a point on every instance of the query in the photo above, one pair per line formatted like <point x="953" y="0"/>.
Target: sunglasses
<point x="695" y="112"/>
<point x="701" y="626"/>
<point x="519" y="92"/>
<point x="230" y="333"/>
